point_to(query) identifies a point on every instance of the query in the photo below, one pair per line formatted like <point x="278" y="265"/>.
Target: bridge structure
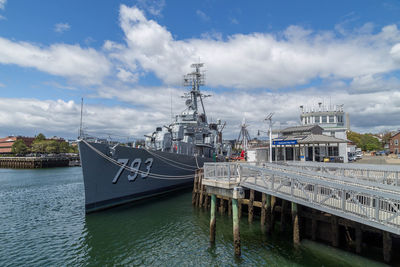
<point x="366" y="194"/>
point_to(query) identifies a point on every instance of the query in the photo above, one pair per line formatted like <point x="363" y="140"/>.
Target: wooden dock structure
<point x="343" y="204"/>
<point x="35" y="162"/>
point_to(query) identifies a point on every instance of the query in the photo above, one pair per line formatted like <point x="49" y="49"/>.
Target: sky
<point x="126" y="59"/>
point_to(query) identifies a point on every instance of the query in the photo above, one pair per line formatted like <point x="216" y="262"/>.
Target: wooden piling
<point x="314" y="226"/>
<point x="273" y="204"/>
<point x="236" y="230"/>
<point x="358" y="238"/>
<point x="230" y="207"/>
<point x="213" y="218"/>
<point x="334" y="231"/>
<point x="263" y="209"/>
<point x="240" y="208"/>
<point x="268" y="214"/>
<point x="295" y="220"/>
<point x="387" y="246"/>
<point x="251" y="206"/>
<point x="194" y="193"/>
<point x="221" y="205"/>
<point x="283" y="217"/>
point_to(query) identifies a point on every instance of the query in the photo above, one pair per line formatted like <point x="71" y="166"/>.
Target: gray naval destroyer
<point x="115" y="174"/>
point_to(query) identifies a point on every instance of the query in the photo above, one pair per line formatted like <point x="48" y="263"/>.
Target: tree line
<point x="43" y="146"/>
<point x="367" y="141"/>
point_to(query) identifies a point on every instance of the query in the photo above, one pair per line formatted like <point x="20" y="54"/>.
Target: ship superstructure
<point x="190" y="133"/>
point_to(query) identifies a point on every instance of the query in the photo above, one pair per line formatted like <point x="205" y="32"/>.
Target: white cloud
<point x="369" y="112"/>
<point x="2" y="4"/>
<point x="85" y="66"/>
<point x="203" y="16"/>
<point x="127" y="76"/>
<point x="61" y="27"/>
<point x="257" y="60"/>
<point x="154" y="7"/>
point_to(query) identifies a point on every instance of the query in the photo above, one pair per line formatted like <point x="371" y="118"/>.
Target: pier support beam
<point x="358" y="239"/>
<point x="273" y="204"/>
<point x="314" y="226"/>
<point x="295" y="219"/>
<point x="251" y="206"/>
<point x="387" y="246"/>
<point x="283" y="217"/>
<point x="213" y="219"/>
<point x="236" y="230"/>
<point x="268" y="214"/>
<point x="263" y="209"/>
<point x="335" y="231"/>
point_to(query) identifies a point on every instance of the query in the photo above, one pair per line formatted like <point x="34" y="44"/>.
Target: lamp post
<point x="269" y="118"/>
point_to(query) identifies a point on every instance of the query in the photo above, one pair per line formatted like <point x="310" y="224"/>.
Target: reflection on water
<point x="42" y="222"/>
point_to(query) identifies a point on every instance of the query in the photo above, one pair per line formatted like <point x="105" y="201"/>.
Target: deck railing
<point x="369" y="202"/>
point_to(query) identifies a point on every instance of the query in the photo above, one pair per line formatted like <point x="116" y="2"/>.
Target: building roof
<point x="301" y="128"/>
<point x="320" y="138"/>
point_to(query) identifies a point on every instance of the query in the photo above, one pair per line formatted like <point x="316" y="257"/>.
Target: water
<point x="43" y="223"/>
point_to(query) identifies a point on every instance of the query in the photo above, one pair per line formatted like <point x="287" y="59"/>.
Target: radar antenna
<point x="195" y="79"/>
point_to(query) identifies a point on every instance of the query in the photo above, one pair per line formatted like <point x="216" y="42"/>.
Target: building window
<point x="340" y="118"/>
<point x="323" y="119"/>
<point x="396" y="142"/>
<point x="333" y="134"/>
<point x="331" y="119"/>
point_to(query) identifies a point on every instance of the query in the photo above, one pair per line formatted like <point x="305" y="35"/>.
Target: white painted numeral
<point x="148" y="163"/>
<point x="124" y="163"/>
<point x="135" y="165"/>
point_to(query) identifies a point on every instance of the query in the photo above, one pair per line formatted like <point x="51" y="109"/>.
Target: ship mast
<point x="195" y="79"/>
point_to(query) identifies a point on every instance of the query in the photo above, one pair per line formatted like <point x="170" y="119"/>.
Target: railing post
<point x="377" y="208"/>
<point x="343" y="200"/>
<point x="229" y="172"/>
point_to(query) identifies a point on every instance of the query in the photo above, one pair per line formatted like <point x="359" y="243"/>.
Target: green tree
<point x="39" y="146"/>
<point x="40" y="137"/>
<point x="52" y="146"/>
<point x="19" y="147"/>
<point x="64" y="147"/>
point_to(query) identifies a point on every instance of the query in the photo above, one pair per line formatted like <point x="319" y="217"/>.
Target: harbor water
<point x="43" y="223"/>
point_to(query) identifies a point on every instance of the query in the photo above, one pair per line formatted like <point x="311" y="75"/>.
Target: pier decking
<point x="365" y="194"/>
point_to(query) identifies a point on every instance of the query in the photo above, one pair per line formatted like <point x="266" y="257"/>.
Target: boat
<point x="117" y="174"/>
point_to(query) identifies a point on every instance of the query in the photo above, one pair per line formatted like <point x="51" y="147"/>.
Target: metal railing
<point x="370" y="203"/>
<point x="384" y="174"/>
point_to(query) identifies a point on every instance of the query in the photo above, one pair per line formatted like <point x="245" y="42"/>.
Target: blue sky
<point x="127" y="58"/>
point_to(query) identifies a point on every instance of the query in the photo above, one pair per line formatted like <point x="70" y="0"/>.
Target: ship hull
<point x="108" y="184"/>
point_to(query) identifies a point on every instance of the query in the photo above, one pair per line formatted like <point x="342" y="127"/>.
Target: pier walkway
<point x="367" y="194"/>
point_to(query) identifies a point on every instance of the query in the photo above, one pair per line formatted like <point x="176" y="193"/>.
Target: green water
<point x="42" y="223"/>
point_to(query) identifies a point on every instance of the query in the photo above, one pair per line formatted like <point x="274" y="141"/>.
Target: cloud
<point x="151" y="107"/>
<point x="2" y="85"/>
<point x="257" y="60"/>
<point x="84" y="66"/>
<point x="203" y="16"/>
<point x="61" y="27"/>
<point x="154" y="7"/>
<point x="2" y="4"/>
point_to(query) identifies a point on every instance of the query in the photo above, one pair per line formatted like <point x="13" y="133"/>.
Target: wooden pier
<point x="35" y="162"/>
<point x="345" y="211"/>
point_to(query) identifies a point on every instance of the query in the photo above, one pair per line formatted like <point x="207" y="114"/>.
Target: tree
<point x="19" y="147"/>
<point x="40" y="137"/>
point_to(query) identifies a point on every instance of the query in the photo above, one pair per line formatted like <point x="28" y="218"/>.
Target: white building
<point x="332" y="120"/>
